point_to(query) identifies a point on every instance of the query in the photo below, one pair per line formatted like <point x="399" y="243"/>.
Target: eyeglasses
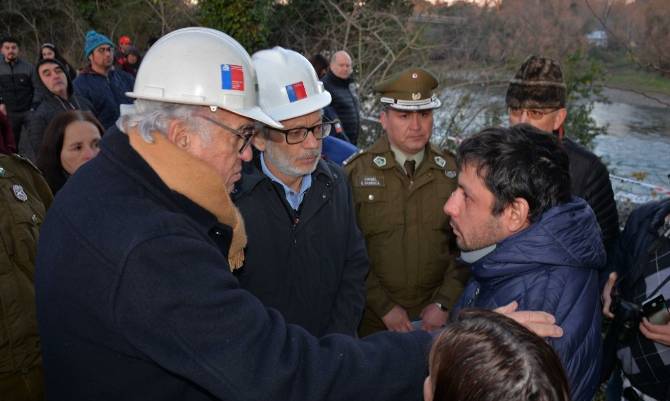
<point x="533" y="114"/>
<point x="245" y="133"/>
<point x="297" y="135"/>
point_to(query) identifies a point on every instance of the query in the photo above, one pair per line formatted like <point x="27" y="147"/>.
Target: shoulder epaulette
<point x="353" y="157"/>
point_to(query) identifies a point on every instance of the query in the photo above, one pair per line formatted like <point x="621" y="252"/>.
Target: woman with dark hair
<point x="49" y="51"/>
<point x="69" y="141"/>
<point x="485" y="356"/>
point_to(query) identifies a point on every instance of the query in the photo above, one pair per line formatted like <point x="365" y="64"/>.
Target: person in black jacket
<point x="18" y="85"/>
<point x="345" y="105"/>
<point x="59" y="98"/>
<point x="306" y="256"/>
<point x="537" y="96"/>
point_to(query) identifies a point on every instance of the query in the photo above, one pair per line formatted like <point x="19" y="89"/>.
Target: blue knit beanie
<point x="94" y="40"/>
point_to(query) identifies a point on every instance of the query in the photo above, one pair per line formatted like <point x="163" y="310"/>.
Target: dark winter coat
<point x="136" y="301"/>
<point x="18" y="85"/>
<point x="39" y="119"/>
<point x="551" y="266"/>
<point x="345" y="105"/>
<point x="310" y="265"/>
<point x="642" y="260"/>
<point x="591" y="182"/>
<point x="106" y="93"/>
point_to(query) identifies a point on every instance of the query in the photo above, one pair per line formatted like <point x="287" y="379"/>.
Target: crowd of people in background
<point x="235" y="243"/>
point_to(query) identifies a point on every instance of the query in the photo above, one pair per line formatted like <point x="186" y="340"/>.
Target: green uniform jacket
<point x="409" y="240"/>
<point x="24" y="198"/>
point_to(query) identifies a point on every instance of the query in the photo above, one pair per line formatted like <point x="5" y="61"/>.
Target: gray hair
<point x="151" y="116"/>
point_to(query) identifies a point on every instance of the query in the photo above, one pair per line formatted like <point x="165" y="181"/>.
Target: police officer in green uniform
<point x="400" y="185"/>
<point x="24" y="199"/>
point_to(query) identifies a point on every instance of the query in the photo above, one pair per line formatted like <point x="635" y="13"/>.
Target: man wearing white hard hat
<point x="305" y="255"/>
<point x="136" y="299"/>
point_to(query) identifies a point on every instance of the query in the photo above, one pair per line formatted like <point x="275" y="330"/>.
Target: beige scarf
<point x="196" y="180"/>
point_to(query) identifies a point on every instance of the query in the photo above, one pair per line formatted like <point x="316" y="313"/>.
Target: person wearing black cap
<point x="537" y="96"/>
<point x="59" y="97"/>
<point x="400" y="184"/>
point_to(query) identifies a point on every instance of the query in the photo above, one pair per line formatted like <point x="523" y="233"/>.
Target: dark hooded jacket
<point x="106" y="93"/>
<point x="50" y="106"/>
<point x="136" y="301"/>
<point x="18" y="85"/>
<point x="551" y="266"/>
<point x="345" y="105"/>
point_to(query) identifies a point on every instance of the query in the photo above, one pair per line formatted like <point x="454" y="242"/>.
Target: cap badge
<point x="416" y="96"/>
<point x="380" y="161"/>
<point x="19" y="193"/>
<point x="439" y="160"/>
<point x="415" y="75"/>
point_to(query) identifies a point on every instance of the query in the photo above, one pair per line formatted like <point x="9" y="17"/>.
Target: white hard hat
<point x="287" y="84"/>
<point x="200" y="66"/>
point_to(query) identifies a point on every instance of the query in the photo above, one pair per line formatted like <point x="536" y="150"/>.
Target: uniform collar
<point x="401" y="157"/>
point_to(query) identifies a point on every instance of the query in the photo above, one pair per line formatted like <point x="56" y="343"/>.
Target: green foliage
<point x="245" y="20"/>
<point x="581" y="75"/>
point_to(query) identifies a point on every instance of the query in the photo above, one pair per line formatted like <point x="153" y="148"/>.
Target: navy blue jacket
<point x="311" y="264"/>
<point x="106" y="93"/>
<point x="136" y="301"/>
<point x="345" y="105"/>
<point x="551" y="266"/>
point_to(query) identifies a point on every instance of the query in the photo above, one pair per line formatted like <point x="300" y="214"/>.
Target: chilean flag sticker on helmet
<point x="296" y="91"/>
<point x="232" y="77"/>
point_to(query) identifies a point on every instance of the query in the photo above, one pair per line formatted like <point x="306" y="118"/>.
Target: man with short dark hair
<point x="527" y="239"/>
<point x="345" y="106"/>
<point x="103" y="85"/>
<point x="537" y="96"/>
<point x="59" y="98"/>
<point x="19" y="87"/>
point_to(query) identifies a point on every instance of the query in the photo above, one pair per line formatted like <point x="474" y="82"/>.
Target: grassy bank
<point x="629" y="77"/>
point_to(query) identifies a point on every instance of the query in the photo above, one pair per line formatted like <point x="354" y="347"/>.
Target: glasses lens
<point x="536" y="114"/>
<point x="515" y="112"/>
<point x="325" y="130"/>
<point x="295" y="135"/>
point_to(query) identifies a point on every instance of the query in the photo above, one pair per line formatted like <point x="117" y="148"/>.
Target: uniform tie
<point x="409" y="168"/>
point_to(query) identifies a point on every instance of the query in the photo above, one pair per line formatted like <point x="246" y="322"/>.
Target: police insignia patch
<point x="19" y="193"/>
<point x="439" y="160"/>
<point x="379" y="161"/>
<point x="450" y="173"/>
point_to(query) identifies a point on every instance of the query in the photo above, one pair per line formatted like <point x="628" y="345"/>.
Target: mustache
<point x="310" y="154"/>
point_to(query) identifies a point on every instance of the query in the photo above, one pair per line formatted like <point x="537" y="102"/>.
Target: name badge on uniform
<point x="19" y="193"/>
<point x="369" y="181"/>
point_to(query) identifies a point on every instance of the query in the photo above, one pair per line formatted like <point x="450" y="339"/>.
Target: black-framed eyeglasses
<point x="299" y="134"/>
<point x="245" y="133"/>
<point x="533" y="114"/>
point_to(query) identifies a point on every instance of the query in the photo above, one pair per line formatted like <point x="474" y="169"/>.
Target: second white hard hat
<point x="287" y="84"/>
<point x="200" y="66"/>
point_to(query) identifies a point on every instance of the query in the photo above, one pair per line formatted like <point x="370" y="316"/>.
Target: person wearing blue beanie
<point x="104" y="86"/>
<point x="95" y="40"/>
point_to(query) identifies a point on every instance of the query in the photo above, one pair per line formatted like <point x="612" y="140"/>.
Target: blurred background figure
<point x="320" y="65"/>
<point x="485" y="356"/>
<point x="133" y="60"/>
<point x="7" y="142"/>
<point x="49" y="51"/>
<point x="121" y="53"/>
<point x="69" y="141"/>
<point x="59" y="97"/>
<point x="345" y="106"/>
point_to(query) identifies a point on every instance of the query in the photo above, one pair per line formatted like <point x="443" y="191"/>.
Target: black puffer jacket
<point x="17" y="85"/>
<point x="345" y="104"/>
<point x="591" y="182"/>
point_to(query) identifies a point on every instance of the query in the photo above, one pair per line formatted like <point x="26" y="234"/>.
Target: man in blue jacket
<point x="136" y="299"/>
<point x="103" y="85"/>
<point x="528" y="240"/>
